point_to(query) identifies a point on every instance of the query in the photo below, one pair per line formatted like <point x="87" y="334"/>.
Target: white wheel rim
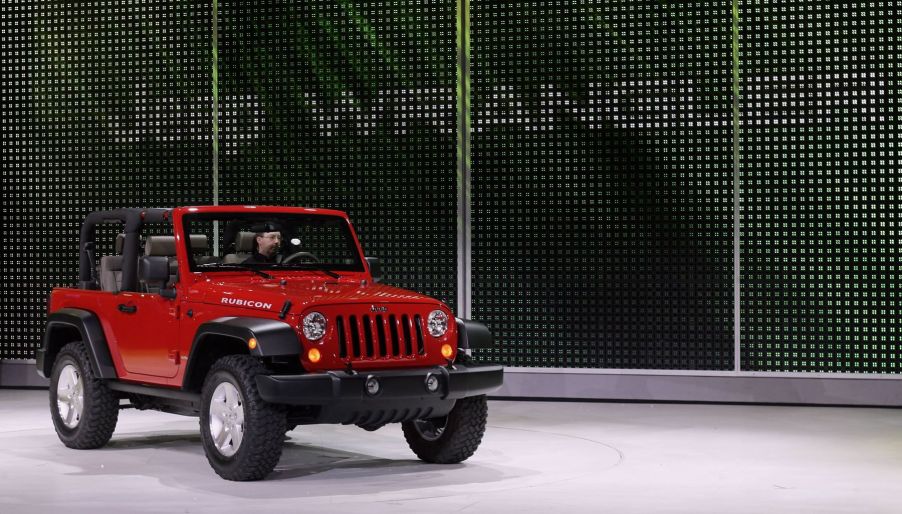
<point x="226" y="419"/>
<point x="70" y="396"/>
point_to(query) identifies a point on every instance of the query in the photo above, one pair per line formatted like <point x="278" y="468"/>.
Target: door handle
<point x="128" y="309"/>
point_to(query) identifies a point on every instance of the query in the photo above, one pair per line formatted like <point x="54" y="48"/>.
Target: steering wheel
<point x="298" y="255"/>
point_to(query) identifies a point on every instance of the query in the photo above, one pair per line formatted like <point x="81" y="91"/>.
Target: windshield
<point x="261" y="241"/>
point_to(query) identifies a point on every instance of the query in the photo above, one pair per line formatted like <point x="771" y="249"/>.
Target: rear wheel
<point x="449" y="439"/>
<point x="241" y="433"/>
<point x="83" y="409"/>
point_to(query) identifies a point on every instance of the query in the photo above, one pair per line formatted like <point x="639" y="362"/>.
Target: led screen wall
<point x="599" y="137"/>
<point x="602" y="182"/>
<point x="821" y="186"/>
<point x="113" y="109"/>
<point x="348" y="105"/>
<point x="18" y="319"/>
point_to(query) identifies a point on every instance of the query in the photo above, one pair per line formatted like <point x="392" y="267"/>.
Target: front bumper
<point x="341" y="397"/>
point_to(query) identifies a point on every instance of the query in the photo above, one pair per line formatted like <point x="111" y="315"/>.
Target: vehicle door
<point x="145" y="326"/>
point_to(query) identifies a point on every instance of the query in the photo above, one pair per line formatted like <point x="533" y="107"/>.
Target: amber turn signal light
<point x="252" y="343"/>
<point x="447" y="351"/>
<point x="313" y="355"/>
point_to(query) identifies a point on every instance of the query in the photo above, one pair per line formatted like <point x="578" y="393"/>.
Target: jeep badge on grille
<point x="378" y="308"/>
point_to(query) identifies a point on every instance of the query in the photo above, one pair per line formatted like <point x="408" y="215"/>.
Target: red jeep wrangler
<point x="256" y="319"/>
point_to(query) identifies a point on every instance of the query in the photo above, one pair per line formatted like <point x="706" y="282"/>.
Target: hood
<point x="303" y="292"/>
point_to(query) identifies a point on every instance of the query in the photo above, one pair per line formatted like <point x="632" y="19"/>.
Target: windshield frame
<point x="348" y="232"/>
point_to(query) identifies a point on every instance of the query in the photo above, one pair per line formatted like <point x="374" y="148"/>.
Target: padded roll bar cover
<point x="133" y="219"/>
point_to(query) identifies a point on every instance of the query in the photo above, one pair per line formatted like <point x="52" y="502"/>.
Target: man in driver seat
<point x="267" y="241"/>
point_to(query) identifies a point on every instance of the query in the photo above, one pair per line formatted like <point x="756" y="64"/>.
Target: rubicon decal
<point x="246" y="303"/>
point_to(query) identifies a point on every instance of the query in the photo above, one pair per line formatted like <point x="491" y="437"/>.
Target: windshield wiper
<point x="236" y="266"/>
<point x="312" y="267"/>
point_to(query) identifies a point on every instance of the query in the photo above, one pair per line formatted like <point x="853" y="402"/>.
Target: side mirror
<point x="153" y="270"/>
<point x="375" y="268"/>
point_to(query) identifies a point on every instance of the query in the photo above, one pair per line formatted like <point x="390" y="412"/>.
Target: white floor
<point x="536" y="457"/>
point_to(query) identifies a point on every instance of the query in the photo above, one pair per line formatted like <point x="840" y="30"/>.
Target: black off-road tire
<point x="461" y="432"/>
<point x="100" y="405"/>
<point x="264" y="423"/>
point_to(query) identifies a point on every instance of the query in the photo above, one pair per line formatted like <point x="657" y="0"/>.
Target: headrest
<point x="199" y="243"/>
<point x="160" y="245"/>
<point x="120" y="242"/>
<point x="245" y="242"/>
<point x="165" y="245"/>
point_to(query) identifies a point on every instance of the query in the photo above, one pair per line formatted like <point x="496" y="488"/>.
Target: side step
<point x="158" y="398"/>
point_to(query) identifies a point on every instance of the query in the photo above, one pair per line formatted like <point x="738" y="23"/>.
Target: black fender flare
<point x="472" y="335"/>
<point x="274" y="338"/>
<point x="88" y="326"/>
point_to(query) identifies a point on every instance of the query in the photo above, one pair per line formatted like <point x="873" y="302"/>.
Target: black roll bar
<point x="132" y="220"/>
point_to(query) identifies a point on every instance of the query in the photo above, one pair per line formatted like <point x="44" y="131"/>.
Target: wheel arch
<point x="229" y="336"/>
<point x="68" y="325"/>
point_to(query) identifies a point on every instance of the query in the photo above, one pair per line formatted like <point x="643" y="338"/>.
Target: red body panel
<point x="141" y="342"/>
<point x="151" y="345"/>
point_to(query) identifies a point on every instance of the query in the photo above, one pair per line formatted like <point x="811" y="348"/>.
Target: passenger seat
<point x="165" y="246"/>
<point x="244" y="246"/>
<point x="111" y="268"/>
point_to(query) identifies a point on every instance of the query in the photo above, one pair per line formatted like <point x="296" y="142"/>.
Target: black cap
<point x="267" y="226"/>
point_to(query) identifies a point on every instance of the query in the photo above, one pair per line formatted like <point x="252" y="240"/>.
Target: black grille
<point x="380" y="337"/>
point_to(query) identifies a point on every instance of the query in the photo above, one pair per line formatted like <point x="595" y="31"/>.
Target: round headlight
<point x="314" y="326"/>
<point x="437" y="323"/>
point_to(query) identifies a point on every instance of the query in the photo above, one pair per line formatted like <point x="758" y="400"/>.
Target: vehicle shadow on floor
<point x="177" y="459"/>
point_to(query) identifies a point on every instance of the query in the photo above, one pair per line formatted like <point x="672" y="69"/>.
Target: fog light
<point x="372" y="386"/>
<point x="447" y="351"/>
<point x="431" y="383"/>
<point x="313" y="355"/>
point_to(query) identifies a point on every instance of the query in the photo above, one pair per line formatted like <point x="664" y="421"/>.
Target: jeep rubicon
<point x="180" y="314"/>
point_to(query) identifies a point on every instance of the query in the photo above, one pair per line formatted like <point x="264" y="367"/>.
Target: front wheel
<point x="449" y="439"/>
<point x="83" y="408"/>
<point x="241" y="433"/>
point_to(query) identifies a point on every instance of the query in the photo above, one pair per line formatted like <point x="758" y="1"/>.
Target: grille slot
<point x="355" y="337"/>
<point x="405" y="329"/>
<point x="380" y="330"/>
<point x="342" y="337"/>
<point x="418" y="325"/>
<point x="393" y="328"/>
<point x="368" y="336"/>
